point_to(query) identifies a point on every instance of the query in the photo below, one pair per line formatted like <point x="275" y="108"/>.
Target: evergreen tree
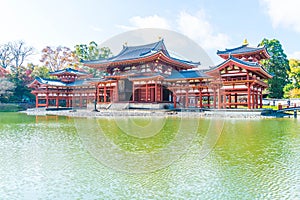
<point x="278" y="66"/>
<point x="92" y="52"/>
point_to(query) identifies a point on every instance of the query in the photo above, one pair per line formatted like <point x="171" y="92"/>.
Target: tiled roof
<point x="136" y="52"/>
<point x="241" y="49"/>
<point x="53" y="82"/>
<point x="68" y="70"/>
<point x="187" y="74"/>
<point x="246" y="63"/>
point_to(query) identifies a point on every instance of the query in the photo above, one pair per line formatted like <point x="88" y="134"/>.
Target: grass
<point x="10" y="107"/>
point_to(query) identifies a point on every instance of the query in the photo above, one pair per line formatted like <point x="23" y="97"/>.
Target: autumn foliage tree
<point x="58" y="58"/>
<point x="292" y="90"/>
<point x="12" y="58"/>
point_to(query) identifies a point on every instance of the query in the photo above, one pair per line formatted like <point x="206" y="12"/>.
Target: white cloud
<point x="294" y="55"/>
<point x="283" y="13"/>
<point x="96" y="29"/>
<point x="200" y="29"/>
<point x="153" y="21"/>
<point x="197" y="27"/>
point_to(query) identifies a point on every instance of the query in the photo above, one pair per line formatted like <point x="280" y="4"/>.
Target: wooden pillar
<point x="256" y="98"/>
<point x="186" y="99"/>
<point x="37" y="100"/>
<point x="248" y="88"/>
<point x="200" y="98"/>
<point x="215" y="97"/>
<point x="249" y="96"/>
<point x="208" y="101"/>
<point x="47" y="100"/>
<point x="174" y="99"/>
<point x="97" y="93"/>
<point x="161" y="93"/>
<point x="260" y="97"/>
<point x="146" y="87"/>
<point x="104" y="95"/>
<point x="80" y="100"/>
<point x="56" y="101"/>
<point x="117" y="91"/>
<point x="229" y="97"/>
<point x="133" y="88"/>
<point x="253" y="98"/>
<point x="219" y="99"/>
<point x="235" y="100"/>
<point x="155" y="92"/>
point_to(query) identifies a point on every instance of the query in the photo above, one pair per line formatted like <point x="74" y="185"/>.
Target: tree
<point x="58" y="58"/>
<point x="92" y="52"/>
<point x="40" y="71"/>
<point x="5" y="56"/>
<point x="19" y="52"/>
<point x="292" y="90"/>
<point x="278" y="66"/>
<point x="6" y="89"/>
<point x="12" y="56"/>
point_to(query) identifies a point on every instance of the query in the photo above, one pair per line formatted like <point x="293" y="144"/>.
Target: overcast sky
<point x="213" y="24"/>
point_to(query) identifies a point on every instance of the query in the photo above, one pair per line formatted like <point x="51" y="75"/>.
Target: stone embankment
<point x="144" y="113"/>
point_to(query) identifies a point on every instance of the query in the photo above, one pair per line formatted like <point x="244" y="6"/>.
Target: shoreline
<point x="237" y="114"/>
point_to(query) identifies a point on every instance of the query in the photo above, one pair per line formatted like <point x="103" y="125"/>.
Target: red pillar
<point x="249" y="96"/>
<point x="133" y="88"/>
<point x="117" y="92"/>
<point x="36" y="100"/>
<point x="47" y="97"/>
<point x="200" y="98"/>
<point x="186" y="99"/>
<point x="260" y="98"/>
<point x="253" y="98"/>
<point x="256" y="98"/>
<point x="155" y="92"/>
<point x="219" y="99"/>
<point x="146" y="87"/>
<point x="215" y="97"/>
<point x="57" y="100"/>
<point x="104" y="95"/>
<point x="161" y="93"/>
<point x="235" y="100"/>
<point x="174" y="99"/>
<point x="80" y="100"/>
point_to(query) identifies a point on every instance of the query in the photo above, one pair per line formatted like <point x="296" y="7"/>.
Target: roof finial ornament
<point x="245" y="42"/>
<point x="125" y="44"/>
<point x="159" y="38"/>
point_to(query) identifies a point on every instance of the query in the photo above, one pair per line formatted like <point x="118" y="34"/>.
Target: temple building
<point x="148" y="76"/>
<point x="241" y="77"/>
<point x="69" y="89"/>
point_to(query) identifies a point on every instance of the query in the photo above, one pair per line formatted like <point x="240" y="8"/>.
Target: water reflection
<point x="46" y="159"/>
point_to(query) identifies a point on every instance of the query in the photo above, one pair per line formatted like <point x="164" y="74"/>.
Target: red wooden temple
<point x="69" y="89"/>
<point x="147" y="76"/>
<point x="241" y="77"/>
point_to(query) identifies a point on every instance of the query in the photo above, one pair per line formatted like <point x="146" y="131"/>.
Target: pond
<point x="51" y="157"/>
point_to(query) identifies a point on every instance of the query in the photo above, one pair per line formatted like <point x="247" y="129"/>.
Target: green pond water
<point x="50" y="157"/>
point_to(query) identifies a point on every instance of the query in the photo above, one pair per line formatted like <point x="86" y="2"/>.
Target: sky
<point x="213" y="24"/>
